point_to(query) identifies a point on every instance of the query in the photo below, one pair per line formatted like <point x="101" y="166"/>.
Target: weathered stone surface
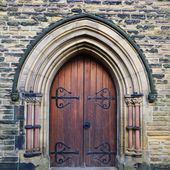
<point x="166" y="65"/>
<point x="71" y="1"/>
<point x="40" y="18"/>
<point x="28" y="23"/>
<point x="19" y="112"/>
<point x="158" y="76"/>
<point x="92" y="1"/>
<point x="9" y="159"/>
<point x="7" y="166"/>
<point x="2" y="59"/>
<point x="5" y="69"/>
<point x="138" y="16"/>
<point x="153" y="50"/>
<point x="112" y="2"/>
<point x="54" y="0"/>
<point x="132" y="21"/>
<point x="19" y="142"/>
<point x="158" y="133"/>
<point x="147" y="22"/>
<point x="123" y="16"/>
<point x="13" y="23"/>
<point x="76" y="10"/>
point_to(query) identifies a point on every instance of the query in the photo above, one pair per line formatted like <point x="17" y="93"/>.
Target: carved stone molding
<point x="31" y="97"/>
<point x="137" y="101"/>
<point x="128" y="101"/>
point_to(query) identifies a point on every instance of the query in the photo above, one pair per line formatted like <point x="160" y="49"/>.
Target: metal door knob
<point x="86" y="125"/>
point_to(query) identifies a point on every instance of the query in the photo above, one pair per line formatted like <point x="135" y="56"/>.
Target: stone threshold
<point x="84" y="168"/>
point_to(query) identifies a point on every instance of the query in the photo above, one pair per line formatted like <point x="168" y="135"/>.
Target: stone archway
<point x="109" y="44"/>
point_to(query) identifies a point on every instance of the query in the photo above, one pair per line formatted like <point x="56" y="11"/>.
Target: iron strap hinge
<point x="102" y="153"/>
<point x="61" y="150"/>
<point x="65" y="97"/>
<point x="62" y="97"/>
<point x="100" y="98"/>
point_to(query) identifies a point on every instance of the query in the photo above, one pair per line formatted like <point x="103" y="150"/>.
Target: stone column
<point x="130" y="123"/>
<point x="134" y="123"/>
<point x="36" y="124"/>
<point x="29" y="140"/>
<point x="33" y="103"/>
<point x="137" y="127"/>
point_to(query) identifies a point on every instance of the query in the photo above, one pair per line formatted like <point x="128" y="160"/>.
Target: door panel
<point x="99" y="110"/>
<point x="67" y="117"/>
<point x="83" y="115"/>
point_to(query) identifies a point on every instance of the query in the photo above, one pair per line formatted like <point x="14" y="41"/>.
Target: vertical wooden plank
<point x="106" y="122"/>
<point x="99" y="135"/>
<point x="53" y="123"/>
<point x="93" y="116"/>
<point x="56" y="116"/>
<point x="60" y="116"/>
<point x="67" y="110"/>
<point x="75" y="116"/>
<point x="87" y="107"/>
<point x="73" y="112"/>
<point x="80" y="112"/>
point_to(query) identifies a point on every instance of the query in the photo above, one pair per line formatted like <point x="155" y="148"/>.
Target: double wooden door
<point x="82" y="115"/>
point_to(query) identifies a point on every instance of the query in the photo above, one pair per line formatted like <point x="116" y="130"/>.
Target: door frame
<point x="110" y="45"/>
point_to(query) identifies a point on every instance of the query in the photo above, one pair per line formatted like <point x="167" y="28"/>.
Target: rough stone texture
<point x="146" y="21"/>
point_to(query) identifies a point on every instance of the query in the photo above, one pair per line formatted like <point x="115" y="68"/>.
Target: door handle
<point x="86" y="125"/>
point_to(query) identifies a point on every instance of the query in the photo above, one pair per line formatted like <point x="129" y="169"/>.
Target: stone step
<point x="84" y="168"/>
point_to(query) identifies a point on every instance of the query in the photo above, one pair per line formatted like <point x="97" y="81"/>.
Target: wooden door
<point x="82" y="115"/>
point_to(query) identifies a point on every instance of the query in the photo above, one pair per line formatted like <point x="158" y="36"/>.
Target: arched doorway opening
<point x="83" y="115"/>
<point x="84" y="34"/>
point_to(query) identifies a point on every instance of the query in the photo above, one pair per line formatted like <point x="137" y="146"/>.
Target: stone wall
<point x="146" y="21"/>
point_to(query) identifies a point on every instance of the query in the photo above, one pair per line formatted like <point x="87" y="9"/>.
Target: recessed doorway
<point x="83" y="115"/>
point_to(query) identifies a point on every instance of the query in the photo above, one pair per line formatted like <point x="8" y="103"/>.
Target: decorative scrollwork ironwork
<point x="62" y="95"/>
<point x="103" y="153"/>
<point x="62" y="152"/>
<point x="102" y="98"/>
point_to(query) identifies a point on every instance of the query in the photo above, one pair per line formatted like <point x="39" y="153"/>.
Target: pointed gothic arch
<point x="86" y="33"/>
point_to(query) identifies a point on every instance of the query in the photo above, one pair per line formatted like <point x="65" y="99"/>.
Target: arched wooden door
<point x="82" y="115"/>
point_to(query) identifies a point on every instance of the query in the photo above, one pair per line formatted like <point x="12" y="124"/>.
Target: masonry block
<point x="19" y="112"/>
<point x="19" y="142"/>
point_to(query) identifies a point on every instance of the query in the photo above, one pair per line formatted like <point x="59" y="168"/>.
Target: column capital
<point x="31" y="97"/>
<point x="128" y="100"/>
<point x="133" y="100"/>
<point x="137" y="101"/>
